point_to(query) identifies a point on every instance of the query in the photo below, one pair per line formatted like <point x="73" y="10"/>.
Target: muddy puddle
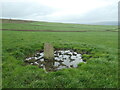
<point x="62" y="59"/>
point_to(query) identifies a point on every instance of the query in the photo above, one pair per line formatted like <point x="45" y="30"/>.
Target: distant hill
<point x="106" y="23"/>
<point x="15" y="21"/>
<point x="29" y="21"/>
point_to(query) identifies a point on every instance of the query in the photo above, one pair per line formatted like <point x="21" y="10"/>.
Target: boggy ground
<point x="61" y="59"/>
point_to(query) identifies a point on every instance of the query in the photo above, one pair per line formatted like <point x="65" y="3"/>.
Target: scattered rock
<point x="61" y="59"/>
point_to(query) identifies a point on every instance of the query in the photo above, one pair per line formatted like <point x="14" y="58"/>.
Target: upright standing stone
<point x="48" y="51"/>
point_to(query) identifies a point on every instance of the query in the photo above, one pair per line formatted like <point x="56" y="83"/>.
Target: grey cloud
<point x="38" y="12"/>
<point x="20" y="10"/>
<point x="108" y="13"/>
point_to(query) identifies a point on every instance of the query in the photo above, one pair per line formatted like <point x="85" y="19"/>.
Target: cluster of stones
<point x="62" y="59"/>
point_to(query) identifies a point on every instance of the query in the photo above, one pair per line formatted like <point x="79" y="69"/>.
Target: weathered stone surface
<point x="48" y="51"/>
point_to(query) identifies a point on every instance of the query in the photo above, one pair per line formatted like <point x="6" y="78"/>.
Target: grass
<point x="99" y="49"/>
<point x="58" y="26"/>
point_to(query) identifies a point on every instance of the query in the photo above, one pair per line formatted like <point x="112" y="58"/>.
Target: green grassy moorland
<point x="98" y="47"/>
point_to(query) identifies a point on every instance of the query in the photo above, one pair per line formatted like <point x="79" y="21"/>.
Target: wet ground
<point x="62" y="59"/>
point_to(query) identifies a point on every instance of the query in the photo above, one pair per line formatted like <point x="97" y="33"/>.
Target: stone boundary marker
<point x="48" y="51"/>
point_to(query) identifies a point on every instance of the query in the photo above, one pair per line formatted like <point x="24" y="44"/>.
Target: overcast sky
<point x="70" y="11"/>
